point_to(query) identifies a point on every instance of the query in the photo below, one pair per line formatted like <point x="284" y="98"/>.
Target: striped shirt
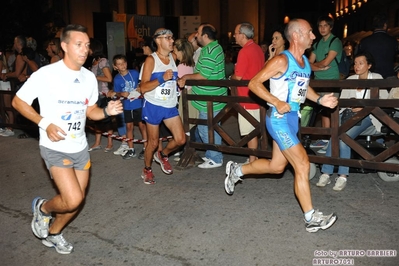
<point x="211" y="66"/>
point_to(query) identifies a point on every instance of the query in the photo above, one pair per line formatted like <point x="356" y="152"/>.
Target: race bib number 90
<point x="300" y="89"/>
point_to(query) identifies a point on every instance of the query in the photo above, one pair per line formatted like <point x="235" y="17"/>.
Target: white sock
<point x="238" y="171"/>
<point x="308" y="215"/>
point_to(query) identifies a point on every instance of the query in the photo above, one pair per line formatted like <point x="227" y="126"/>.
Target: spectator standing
<point x="228" y="63"/>
<point x="382" y="47"/>
<point x="264" y="46"/>
<point x="324" y="65"/>
<point x="18" y="68"/>
<point x="363" y="66"/>
<point x="102" y="70"/>
<point x="279" y="43"/>
<point x="210" y="66"/>
<point x="67" y="94"/>
<point x="250" y="61"/>
<point x="56" y="51"/>
<point x="289" y="75"/>
<point x="197" y="49"/>
<point x="126" y="85"/>
<point x="184" y="54"/>
<point x="5" y="86"/>
<point x="158" y="85"/>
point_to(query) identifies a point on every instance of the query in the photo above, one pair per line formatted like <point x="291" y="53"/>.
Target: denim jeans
<point x="345" y="150"/>
<point x="120" y="120"/>
<point x="216" y="156"/>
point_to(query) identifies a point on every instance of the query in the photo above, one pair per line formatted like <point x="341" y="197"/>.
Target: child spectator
<point x="125" y="85"/>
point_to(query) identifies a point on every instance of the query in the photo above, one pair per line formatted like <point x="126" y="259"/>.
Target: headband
<point x="162" y="32"/>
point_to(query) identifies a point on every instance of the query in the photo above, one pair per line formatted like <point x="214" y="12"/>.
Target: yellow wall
<point x="81" y="12"/>
<point x="239" y="13"/>
<point x="209" y="10"/>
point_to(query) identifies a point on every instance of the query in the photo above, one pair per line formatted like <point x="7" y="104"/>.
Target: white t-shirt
<point x="64" y="96"/>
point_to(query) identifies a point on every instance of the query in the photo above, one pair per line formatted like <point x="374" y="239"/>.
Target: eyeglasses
<point x="166" y="37"/>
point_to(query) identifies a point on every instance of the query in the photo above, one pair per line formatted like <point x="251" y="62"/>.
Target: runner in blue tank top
<point x="289" y="75"/>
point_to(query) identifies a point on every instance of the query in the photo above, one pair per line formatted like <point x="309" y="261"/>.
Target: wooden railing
<point x="371" y="106"/>
<point x="233" y="146"/>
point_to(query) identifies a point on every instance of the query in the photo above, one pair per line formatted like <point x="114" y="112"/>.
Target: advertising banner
<point x="188" y="24"/>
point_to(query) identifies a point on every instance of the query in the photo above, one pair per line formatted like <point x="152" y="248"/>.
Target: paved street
<point x="187" y="218"/>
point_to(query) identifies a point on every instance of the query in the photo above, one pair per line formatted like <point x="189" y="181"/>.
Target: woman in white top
<point x="364" y="62"/>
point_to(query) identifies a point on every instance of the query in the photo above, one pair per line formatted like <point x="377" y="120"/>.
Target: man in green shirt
<point x="210" y="66"/>
<point x="323" y="63"/>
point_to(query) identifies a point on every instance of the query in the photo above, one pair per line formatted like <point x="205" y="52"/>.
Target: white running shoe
<point x="324" y="180"/>
<point x="121" y="150"/>
<point x="231" y="177"/>
<point x="340" y="183"/>
<point x="59" y="243"/>
<point x="40" y="222"/>
<point x="208" y="164"/>
<point x="320" y="221"/>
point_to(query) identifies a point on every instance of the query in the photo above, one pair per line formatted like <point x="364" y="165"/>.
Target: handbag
<point x="348" y="113"/>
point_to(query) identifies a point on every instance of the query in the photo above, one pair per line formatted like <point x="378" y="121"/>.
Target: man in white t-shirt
<point x="67" y="95"/>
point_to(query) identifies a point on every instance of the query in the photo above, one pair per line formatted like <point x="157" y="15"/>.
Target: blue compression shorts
<point x="283" y="128"/>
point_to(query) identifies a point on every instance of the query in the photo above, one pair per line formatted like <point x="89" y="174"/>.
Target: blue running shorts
<point x="154" y="114"/>
<point x="283" y="128"/>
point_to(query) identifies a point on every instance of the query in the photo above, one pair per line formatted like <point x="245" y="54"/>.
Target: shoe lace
<point x="318" y="216"/>
<point x="61" y="240"/>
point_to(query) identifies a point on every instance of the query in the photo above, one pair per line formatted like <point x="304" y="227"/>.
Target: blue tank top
<point x="292" y="86"/>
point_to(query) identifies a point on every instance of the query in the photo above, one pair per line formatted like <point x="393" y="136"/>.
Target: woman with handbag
<point x="363" y="64"/>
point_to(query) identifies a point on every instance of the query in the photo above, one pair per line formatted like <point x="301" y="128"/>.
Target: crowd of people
<point x="147" y="95"/>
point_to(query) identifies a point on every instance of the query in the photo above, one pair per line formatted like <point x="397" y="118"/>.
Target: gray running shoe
<point x="129" y="154"/>
<point x="231" y="177"/>
<point x="320" y="221"/>
<point x="141" y="155"/>
<point x="40" y="222"/>
<point x="59" y="243"/>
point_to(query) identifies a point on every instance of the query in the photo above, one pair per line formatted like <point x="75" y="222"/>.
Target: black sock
<point x="148" y="168"/>
<point x="163" y="155"/>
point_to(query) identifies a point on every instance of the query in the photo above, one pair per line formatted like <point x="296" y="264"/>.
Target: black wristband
<point x="318" y="99"/>
<point x="105" y="113"/>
